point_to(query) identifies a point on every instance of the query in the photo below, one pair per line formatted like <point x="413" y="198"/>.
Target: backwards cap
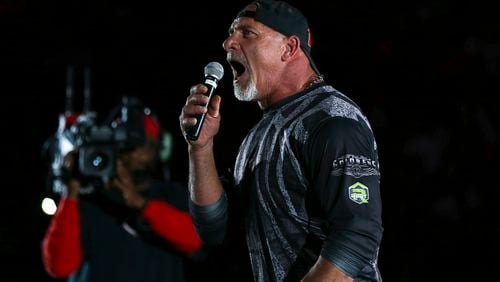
<point x="285" y="19"/>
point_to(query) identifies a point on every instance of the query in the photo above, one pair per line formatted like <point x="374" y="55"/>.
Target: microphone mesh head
<point x="214" y="69"/>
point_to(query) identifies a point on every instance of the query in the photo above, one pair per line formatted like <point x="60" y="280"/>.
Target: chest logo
<point x="359" y="193"/>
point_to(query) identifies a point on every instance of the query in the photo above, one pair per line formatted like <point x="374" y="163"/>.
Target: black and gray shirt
<point x="308" y="173"/>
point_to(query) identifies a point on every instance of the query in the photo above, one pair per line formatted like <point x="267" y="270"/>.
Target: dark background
<point x="425" y="73"/>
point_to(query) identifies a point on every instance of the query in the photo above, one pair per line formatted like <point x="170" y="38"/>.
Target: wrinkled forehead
<point x="245" y="23"/>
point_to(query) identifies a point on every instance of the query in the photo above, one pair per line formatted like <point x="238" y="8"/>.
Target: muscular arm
<point x="208" y="203"/>
<point x="344" y="163"/>
<point x="205" y="186"/>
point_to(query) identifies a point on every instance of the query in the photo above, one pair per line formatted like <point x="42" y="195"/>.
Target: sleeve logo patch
<point x="359" y="193"/>
<point x="355" y="166"/>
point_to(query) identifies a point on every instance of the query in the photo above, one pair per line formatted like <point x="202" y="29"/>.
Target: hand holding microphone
<point x="195" y="111"/>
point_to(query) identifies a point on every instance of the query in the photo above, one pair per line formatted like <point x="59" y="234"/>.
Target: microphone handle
<point x="194" y="132"/>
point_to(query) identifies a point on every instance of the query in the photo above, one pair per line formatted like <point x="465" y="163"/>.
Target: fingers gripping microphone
<point x="213" y="73"/>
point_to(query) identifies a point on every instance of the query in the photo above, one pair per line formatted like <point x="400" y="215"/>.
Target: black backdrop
<point x="425" y="72"/>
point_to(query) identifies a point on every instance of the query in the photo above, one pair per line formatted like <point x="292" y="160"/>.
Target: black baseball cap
<point x="285" y="19"/>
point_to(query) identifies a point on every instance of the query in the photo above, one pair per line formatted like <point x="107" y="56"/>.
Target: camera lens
<point x="99" y="160"/>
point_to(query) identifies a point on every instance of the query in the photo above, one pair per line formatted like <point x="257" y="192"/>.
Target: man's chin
<point x="244" y="93"/>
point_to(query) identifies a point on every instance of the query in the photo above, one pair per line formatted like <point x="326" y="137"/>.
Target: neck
<point x="313" y="79"/>
<point x="294" y="78"/>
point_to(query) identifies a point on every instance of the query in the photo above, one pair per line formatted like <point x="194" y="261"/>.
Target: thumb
<point x="213" y="108"/>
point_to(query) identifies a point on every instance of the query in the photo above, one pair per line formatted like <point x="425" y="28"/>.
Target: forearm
<point x="211" y="220"/>
<point x="208" y="204"/>
<point x="205" y="186"/>
<point x="323" y="270"/>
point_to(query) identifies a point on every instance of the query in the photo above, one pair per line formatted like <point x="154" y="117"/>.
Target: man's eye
<point x="247" y="33"/>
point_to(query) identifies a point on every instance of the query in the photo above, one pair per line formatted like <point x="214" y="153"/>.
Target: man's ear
<point x="292" y="46"/>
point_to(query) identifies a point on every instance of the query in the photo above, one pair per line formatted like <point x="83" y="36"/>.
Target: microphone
<point x="213" y="73"/>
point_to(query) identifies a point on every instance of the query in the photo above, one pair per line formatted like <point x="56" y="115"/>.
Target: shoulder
<point x="340" y="131"/>
<point x="336" y="104"/>
<point x="328" y="108"/>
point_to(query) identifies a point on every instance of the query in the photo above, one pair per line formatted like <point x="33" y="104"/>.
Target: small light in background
<point x="49" y="206"/>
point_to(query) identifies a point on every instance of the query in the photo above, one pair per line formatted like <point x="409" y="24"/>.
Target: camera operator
<point x="132" y="228"/>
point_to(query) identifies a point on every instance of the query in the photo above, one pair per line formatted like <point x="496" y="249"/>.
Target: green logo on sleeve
<point x="359" y="193"/>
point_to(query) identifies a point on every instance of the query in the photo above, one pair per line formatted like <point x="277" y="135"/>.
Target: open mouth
<point x="238" y="69"/>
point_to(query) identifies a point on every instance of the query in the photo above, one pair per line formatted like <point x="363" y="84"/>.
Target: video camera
<point x="97" y="146"/>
